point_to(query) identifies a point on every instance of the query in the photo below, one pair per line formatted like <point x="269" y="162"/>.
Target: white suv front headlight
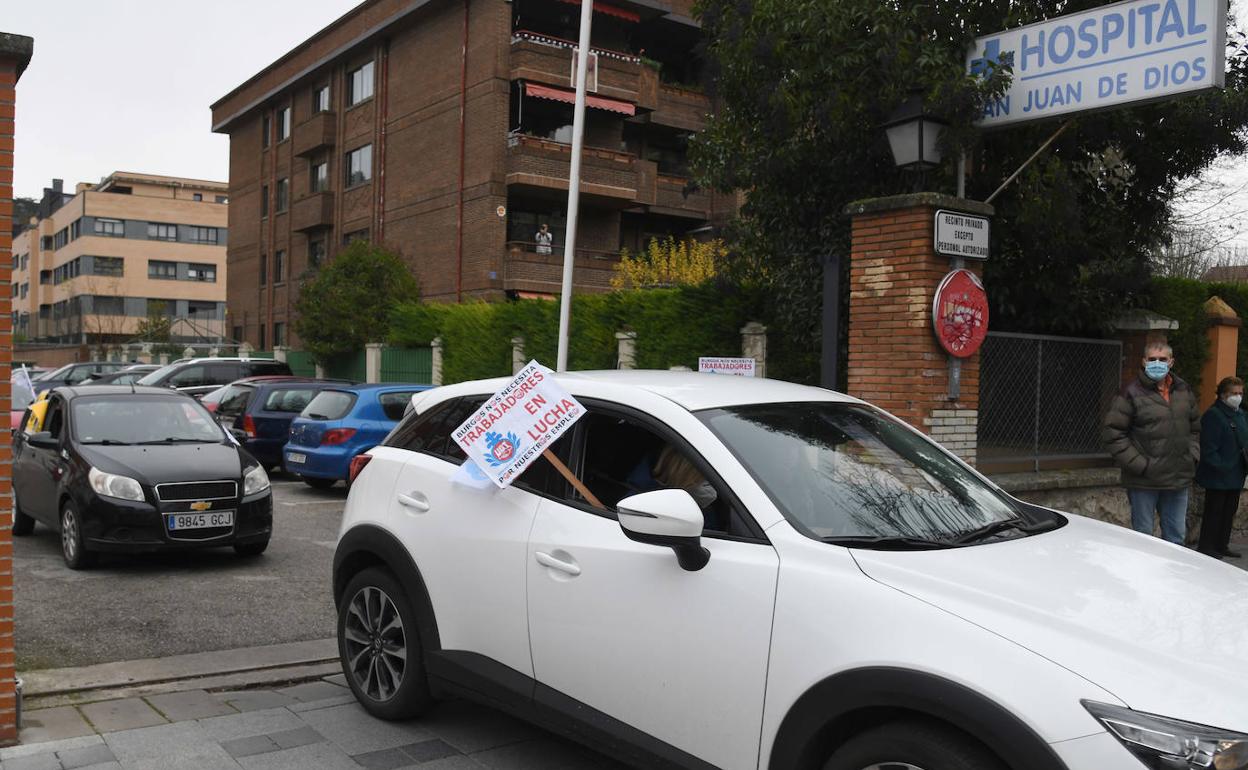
<point x="1169" y="744"/>
<point x="255" y="481"/>
<point x="112" y="485"/>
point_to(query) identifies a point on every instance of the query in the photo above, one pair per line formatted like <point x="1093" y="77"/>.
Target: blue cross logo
<point x="992" y="57"/>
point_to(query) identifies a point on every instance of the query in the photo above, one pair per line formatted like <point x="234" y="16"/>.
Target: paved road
<point x="132" y="607"/>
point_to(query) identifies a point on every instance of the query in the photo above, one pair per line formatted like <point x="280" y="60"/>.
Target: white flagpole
<point x="574" y="184"/>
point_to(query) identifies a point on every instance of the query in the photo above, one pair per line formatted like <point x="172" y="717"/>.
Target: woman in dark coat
<point x="1222" y="468"/>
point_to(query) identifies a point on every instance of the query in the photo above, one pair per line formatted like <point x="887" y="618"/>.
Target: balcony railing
<point x="526" y="270"/>
<point x="315" y="134"/>
<point x="544" y="163"/>
<point x="312" y="212"/>
<point x="545" y="59"/>
<point x="682" y="108"/>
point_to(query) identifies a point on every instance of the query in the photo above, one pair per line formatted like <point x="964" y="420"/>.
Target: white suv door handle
<point x="566" y="567"/>
<point x="416" y="501"/>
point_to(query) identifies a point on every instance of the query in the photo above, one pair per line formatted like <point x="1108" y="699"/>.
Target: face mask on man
<point x="1157" y="370"/>
<point x="1233" y="401"/>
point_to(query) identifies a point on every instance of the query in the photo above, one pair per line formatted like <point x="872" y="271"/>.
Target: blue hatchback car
<point x="339" y="423"/>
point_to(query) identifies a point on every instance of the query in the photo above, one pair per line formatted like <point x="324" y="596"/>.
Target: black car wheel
<point x="22" y="524"/>
<point x="379" y="647"/>
<point x="251" y="549"/>
<point x="912" y="745"/>
<point x="73" y="551"/>
<point x="316" y="483"/>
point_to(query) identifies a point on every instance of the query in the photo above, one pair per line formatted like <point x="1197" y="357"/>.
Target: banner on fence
<point x="742" y="367"/>
<point x="519" y="422"/>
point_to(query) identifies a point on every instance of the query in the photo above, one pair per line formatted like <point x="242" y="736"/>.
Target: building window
<point x="279" y="334"/>
<point x="109" y="305"/>
<point x="165" y="271"/>
<point x="279" y="266"/>
<point x="265" y="129"/>
<point x="320" y="99"/>
<point x="61" y="238"/>
<point x="319" y="174"/>
<point x="75" y="229"/>
<point x="45" y="277"/>
<point x="283" y="195"/>
<point x="114" y="266"/>
<point x="283" y="124"/>
<point x="162" y="307"/>
<point x="355" y="235"/>
<point x="316" y="252"/>
<point x="25" y="261"/>
<point x="360" y="165"/>
<point x="16" y="289"/>
<point x="360" y="84"/>
<point x="197" y="197"/>
<point x="237" y="335"/>
<point x="111" y="228"/>
<point x="45" y="243"/>
<point x="159" y="232"/>
<point x="262" y="339"/>
<point x="201" y="234"/>
<point x="45" y="311"/>
<point x="67" y="271"/>
<point x="264" y="201"/>
<point x="25" y="290"/>
<point x="196" y="272"/>
<point x="223" y="199"/>
<point x="264" y="269"/>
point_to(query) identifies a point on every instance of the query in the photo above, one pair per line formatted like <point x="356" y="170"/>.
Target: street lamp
<point x="913" y="135"/>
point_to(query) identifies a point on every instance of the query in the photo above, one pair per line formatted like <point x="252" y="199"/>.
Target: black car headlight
<point x="113" y="485"/>
<point x="255" y="481"/>
<point x="1169" y="744"/>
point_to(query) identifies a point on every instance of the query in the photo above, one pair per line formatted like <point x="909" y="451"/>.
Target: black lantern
<point x="913" y="135"/>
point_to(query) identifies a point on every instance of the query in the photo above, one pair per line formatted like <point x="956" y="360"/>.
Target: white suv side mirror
<point x="668" y="518"/>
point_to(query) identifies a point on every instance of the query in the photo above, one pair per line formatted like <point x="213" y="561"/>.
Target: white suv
<point x="782" y="577"/>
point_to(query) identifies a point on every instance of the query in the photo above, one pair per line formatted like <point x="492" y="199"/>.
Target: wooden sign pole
<point x="573" y="480"/>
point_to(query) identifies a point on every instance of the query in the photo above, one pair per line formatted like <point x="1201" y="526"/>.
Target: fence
<point x="407" y="365"/>
<point x="301" y="363"/>
<point x="1042" y="399"/>
<point x="348" y="366"/>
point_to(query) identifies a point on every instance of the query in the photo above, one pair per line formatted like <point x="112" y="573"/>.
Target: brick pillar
<point x="15" y="52"/>
<point x="1223" y="334"/>
<point x="895" y="360"/>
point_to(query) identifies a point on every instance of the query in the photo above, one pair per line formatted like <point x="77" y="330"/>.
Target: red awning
<point x="612" y="10"/>
<point x="569" y="97"/>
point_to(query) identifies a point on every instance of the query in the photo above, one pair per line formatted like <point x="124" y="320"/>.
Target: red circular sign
<point x="960" y="313"/>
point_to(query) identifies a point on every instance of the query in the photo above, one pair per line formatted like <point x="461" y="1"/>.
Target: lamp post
<point x="914" y="136"/>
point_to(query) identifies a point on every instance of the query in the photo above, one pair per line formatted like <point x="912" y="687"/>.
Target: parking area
<point x="147" y="606"/>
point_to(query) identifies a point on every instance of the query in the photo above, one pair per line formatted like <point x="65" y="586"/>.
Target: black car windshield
<point x="143" y="419"/>
<point x="329" y="405"/>
<point x="847" y="472"/>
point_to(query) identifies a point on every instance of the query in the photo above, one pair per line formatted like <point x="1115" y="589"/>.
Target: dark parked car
<point x="200" y="376"/>
<point x="128" y="376"/>
<point x="137" y="469"/>
<point x="264" y="410"/>
<point x="213" y="399"/>
<point x="339" y="425"/>
<point x="76" y="374"/>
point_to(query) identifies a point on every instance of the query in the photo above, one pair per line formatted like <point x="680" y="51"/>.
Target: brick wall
<point x="15" y="51"/>
<point x="895" y="360"/>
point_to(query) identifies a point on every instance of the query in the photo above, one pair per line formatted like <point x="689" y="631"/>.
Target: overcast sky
<point x="124" y="85"/>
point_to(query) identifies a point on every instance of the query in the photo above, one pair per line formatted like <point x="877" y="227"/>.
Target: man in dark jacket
<point x="1152" y="431"/>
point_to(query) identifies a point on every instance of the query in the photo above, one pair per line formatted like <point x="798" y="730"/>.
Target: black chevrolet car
<point x="126" y="468"/>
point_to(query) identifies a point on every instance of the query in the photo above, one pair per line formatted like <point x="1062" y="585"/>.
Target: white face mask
<point x="1233" y="401"/>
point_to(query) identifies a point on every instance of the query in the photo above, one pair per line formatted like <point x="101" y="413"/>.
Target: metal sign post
<point x="574" y="186"/>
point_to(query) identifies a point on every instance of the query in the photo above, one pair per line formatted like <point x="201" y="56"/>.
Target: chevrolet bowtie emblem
<point x="200" y="506"/>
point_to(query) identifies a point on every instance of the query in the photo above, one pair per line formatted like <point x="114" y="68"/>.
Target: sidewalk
<point x="181" y="725"/>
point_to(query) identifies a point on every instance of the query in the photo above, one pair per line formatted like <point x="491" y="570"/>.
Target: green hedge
<point x="1183" y="300"/>
<point x="674" y="326"/>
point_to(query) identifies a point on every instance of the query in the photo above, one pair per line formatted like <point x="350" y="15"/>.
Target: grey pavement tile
<point x="53" y="724"/>
<point x="338" y="679"/>
<point x="312" y="691"/>
<point x="457" y="762"/>
<point x="386" y="759"/>
<point x="322" y="756"/>
<point x="246" y="747"/>
<point x="256" y="700"/>
<point x="471" y="728"/>
<point x="124" y="714"/>
<point x="34" y="762"/>
<point x="355" y="732"/>
<point x="427" y="751"/>
<point x="250" y="723"/>
<point x="200" y="760"/>
<point x="290" y="739"/>
<point x="71" y="759"/>
<point x="104" y="766"/>
<point x="26" y="749"/>
<point x="547" y="754"/>
<point x="299" y="708"/>
<point x="191" y="704"/>
<point x="169" y="741"/>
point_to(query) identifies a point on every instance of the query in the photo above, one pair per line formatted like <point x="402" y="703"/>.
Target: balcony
<point x="608" y="176"/>
<point x="524" y="270"/>
<point x="313" y="212"/>
<point x="670" y="198"/>
<point x="545" y="59"/>
<point x="681" y="108"/>
<point x="315" y="134"/>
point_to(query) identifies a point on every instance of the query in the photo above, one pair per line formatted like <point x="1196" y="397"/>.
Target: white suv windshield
<point x="844" y="471"/>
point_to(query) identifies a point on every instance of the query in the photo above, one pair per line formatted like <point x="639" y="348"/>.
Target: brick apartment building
<point x="96" y="262"/>
<point x="442" y="129"/>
